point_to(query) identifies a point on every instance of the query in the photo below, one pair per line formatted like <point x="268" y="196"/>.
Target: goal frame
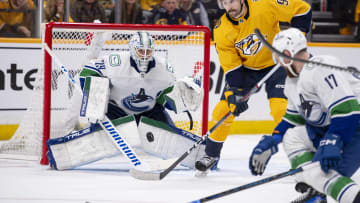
<point x="107" y="26"/>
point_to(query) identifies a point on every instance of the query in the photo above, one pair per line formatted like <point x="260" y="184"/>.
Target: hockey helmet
<point x="292" y="40"/>
<point x="141" y="47"/>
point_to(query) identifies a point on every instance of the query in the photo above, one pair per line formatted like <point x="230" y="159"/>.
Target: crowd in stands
<point x="347" y="12"/>
<point x="17" y="16"/>
<point x="129" y="12"/>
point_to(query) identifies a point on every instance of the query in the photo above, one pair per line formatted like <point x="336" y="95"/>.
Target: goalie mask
<point x="141" y="47"/>
<point x="291" y="40"/>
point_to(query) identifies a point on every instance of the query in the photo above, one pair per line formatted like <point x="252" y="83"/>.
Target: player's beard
<point x="236" y="14"/>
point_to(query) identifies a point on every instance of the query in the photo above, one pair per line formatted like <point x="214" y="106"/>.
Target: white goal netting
<point x="185" y="47"/>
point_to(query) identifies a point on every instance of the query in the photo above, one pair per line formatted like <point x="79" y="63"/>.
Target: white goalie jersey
<point x="320" y="93"/>
<point x="133" y="92"/>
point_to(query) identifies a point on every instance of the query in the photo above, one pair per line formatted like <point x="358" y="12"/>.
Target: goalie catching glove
<point x="234" y="97"/>
<point x="187" y="94"/>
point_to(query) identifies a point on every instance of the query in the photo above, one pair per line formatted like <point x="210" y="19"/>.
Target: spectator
<point x="357" y="20"/>
<point x="16" y="18"/>
<point x="54" y="11"/>
<point x="108" y="4"/>
<point x="344" y="12"/>
<point x="149" y="5"/>
<point x="130" y="12"/>
<point x="87" y="11"/>
<point x="169" y="14"/>
<point x="212" y="10"/>
<point x="195" y="12"/>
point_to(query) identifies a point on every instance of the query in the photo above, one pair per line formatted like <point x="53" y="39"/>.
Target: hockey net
<point x="186" y="48"/>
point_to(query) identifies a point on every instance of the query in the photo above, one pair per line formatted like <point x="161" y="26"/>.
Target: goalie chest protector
<point x="131" y="91"/>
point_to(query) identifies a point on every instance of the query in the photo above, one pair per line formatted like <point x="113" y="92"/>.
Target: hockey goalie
<point x="134" y="90"/>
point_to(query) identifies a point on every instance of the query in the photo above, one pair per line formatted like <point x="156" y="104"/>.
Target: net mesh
<point x="184" y="50"/>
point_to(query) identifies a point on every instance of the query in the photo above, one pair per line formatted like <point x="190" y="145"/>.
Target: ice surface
<point x="108" y="181"/>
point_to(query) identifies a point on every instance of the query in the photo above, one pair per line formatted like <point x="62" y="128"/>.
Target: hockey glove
<point x="329" y="152"/>
<point x="190" y="92"/>
<point x="96" y="94"/>
<point x="234" y="97"/>
<point x="262" y="154"/>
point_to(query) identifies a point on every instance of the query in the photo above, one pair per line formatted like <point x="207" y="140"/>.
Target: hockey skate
<point x="309" y="194"/>
<point x="204" y="165"/>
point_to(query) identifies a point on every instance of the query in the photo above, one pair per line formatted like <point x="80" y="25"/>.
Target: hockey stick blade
<point x="350" y="69"/>
<point x="145" y="175"/>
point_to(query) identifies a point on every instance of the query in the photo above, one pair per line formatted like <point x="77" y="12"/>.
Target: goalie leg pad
<point x="88" y="145"/>
<point x="161" y="140"/>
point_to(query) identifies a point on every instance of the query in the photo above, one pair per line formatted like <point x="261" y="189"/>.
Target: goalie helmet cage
<point x="186" y="48"/>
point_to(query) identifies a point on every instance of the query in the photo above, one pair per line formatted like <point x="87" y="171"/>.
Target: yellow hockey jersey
<point x="236" y="42"/>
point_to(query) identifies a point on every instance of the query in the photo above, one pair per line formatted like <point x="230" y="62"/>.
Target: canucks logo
<point x="251" y="45"/>
<point x="139" y="102"/>
<point x="312" y="112"/>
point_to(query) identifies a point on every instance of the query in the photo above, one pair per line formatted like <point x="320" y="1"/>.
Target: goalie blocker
<point x="94" y="104"/>
<point x="150" y="136"/>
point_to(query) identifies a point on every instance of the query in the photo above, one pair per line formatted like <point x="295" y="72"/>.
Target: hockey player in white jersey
<point x="139" y="80"/>
<point x="321" y="126"/>
<point x="135" y="87"/>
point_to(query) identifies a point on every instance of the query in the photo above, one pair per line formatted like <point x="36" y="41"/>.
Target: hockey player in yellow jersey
<point x="246" y="61"/>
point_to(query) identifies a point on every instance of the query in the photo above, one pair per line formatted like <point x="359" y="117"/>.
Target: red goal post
<point x="179" y="43"/>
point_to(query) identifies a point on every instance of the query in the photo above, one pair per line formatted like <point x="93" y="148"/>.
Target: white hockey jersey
<point x="131" y="91"/>
<point x="320" y="94"/>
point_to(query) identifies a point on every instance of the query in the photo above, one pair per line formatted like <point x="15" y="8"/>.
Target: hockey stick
<point x="258" y="182"/>
<point x="158" y="175"/>
<point x="350" y="69"/>
<point x="249" y="185"/>
<point x="191" y="120"/>
<point x="106" y="124"/>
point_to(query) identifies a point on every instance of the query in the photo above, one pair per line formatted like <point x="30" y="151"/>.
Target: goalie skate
<point x="309" y="194"/>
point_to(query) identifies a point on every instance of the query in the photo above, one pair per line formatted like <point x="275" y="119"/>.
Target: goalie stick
<point x="350" y="69"/>
<point x="159" y="175"/>
<point x="106" y="124"/>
